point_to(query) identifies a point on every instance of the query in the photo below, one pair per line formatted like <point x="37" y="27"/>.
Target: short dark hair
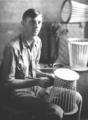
<point x="30" y="13"/>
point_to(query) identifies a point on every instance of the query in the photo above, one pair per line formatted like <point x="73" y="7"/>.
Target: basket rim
<point x="59" y="74"/>
<point x="78" y="41"/>
<point x="76" y="38"/>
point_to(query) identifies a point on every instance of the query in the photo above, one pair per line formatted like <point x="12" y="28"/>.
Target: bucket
<point x="78" y="53"/>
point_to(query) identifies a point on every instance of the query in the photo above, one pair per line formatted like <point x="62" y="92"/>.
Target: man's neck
<point x="28" y="38"/>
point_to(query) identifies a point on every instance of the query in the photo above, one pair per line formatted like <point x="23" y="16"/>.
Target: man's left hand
<point x="51" y="78"/>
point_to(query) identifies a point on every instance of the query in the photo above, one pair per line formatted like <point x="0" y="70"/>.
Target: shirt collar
<point x="26" y="44"/>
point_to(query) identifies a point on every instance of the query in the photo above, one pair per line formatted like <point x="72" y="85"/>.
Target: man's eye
<point x="33" y="22"/>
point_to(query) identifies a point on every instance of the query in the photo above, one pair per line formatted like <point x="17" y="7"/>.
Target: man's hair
<point x="30" y="13"/>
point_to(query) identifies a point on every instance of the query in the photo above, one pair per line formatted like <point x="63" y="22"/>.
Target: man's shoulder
<point x="14" y="43"/>
<point x="38" y="40"/>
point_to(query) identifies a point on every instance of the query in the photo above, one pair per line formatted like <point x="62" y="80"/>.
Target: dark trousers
<point x="39" y="106"/>
<point x="36" y="107"/>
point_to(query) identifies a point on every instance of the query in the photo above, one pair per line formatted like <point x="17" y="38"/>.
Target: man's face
<point x="33" y="26"/>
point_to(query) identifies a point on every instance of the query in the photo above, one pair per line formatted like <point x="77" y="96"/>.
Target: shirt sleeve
<point x="39" y="53"/>
<point x="8" y="64"/>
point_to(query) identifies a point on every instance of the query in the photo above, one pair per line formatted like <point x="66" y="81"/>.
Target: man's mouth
<point x="36" y="31"/>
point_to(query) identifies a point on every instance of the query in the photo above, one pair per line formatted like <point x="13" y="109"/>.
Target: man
<point x="21" y="88"/>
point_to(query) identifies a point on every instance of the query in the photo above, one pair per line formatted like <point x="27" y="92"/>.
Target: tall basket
<point x="63" y="92"/>
<point x="78" y="53"/>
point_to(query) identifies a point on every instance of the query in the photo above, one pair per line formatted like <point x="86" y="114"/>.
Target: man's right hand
<point x="44" y="82"/>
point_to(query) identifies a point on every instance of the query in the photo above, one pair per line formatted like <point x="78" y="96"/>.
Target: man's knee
<point x="57" y="111"/>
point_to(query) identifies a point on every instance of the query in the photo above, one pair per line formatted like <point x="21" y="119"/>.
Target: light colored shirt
<point x="20" y="59"/>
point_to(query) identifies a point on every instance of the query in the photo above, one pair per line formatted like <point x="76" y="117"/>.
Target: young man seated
<point x="20" y="86"/>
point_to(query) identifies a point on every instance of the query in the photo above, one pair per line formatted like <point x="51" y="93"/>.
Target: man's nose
<point x="37" y="23"/>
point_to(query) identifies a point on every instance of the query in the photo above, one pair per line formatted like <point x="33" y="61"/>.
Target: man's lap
<point x="38" y="105"/>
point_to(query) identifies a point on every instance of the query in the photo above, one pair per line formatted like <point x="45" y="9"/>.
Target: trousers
<point x="39" y="105"/>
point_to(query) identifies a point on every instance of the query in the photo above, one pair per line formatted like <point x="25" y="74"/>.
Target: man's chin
<point x="35" y="33"/>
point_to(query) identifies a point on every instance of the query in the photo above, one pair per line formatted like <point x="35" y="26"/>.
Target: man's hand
<point x="51" y="78"/>
<point x="45" y="82"/>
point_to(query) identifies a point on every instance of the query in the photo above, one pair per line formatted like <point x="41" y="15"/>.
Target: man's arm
<point x="21" y="83"/>
<point x="39" y="73"/>
<point x="8" y="71"/>
<point x="39" y="53"/>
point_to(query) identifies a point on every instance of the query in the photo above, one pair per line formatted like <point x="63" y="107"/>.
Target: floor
<point x="84" y="119"/>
